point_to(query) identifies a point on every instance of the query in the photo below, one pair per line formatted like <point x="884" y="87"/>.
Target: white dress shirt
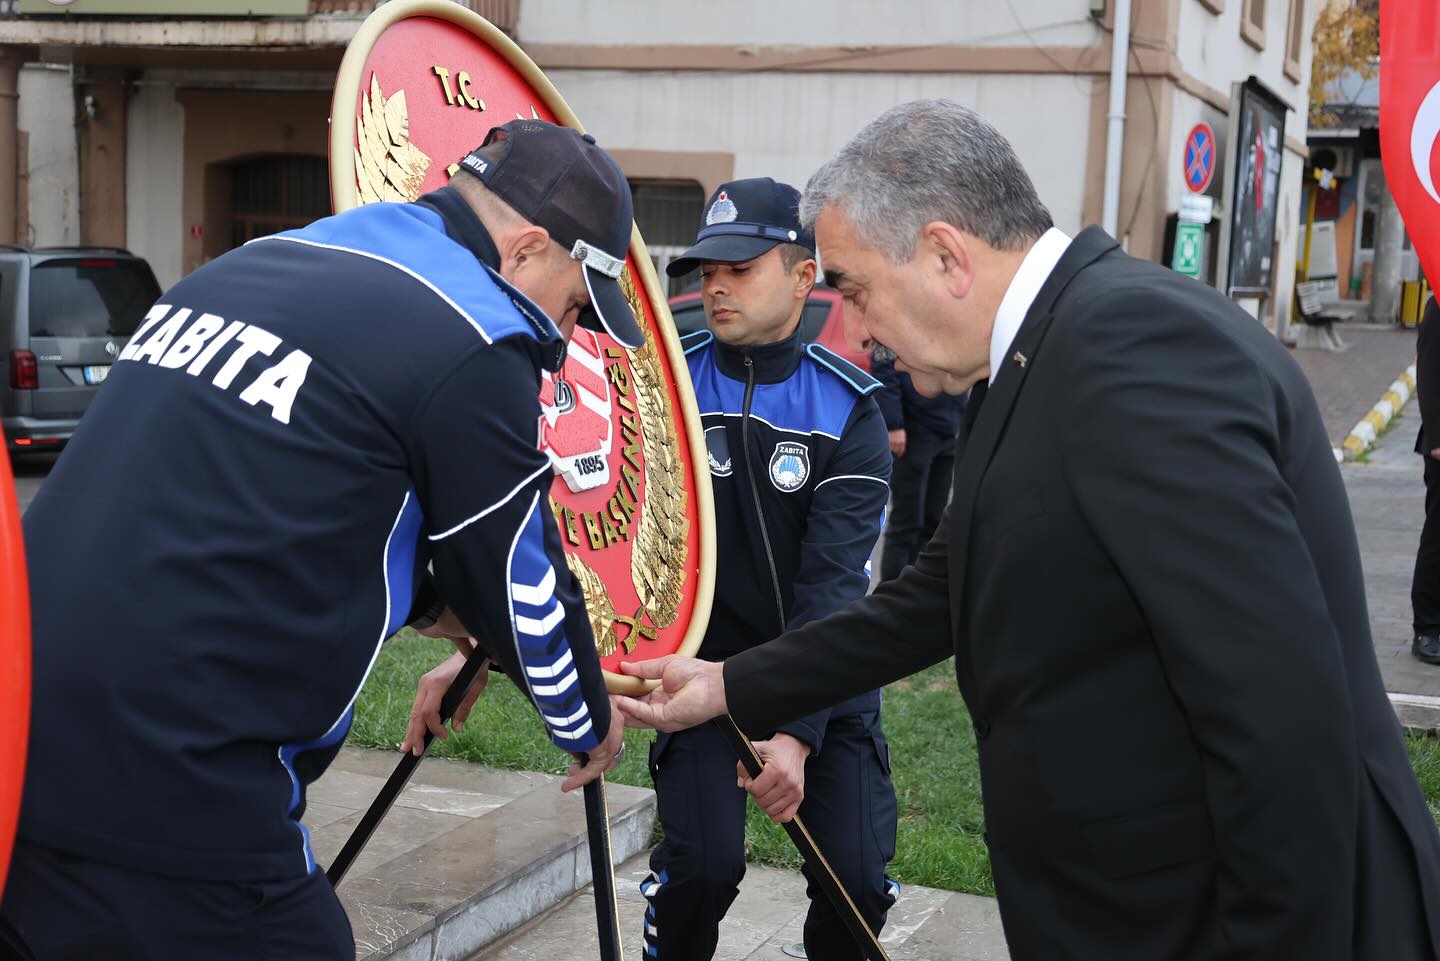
<point x="1034" y="270"/>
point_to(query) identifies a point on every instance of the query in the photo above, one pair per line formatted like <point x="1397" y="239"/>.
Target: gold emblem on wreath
<point x="657" y="555"/>
<point x="387" y="165"/>
<point x="657" y="565"/>
<point x="597" y="605"/>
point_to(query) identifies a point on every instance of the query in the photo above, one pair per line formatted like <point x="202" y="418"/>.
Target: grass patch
<point x="932" y="745"/>
<point x="937" y="788"/>
<point x="1425" y="759"/>
<point x="503" y="730"/>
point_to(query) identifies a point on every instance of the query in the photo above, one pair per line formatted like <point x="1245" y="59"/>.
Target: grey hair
<point x="925" y="161"/>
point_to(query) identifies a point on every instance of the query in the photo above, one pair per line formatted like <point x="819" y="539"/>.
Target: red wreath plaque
<point x="420" y="85"/>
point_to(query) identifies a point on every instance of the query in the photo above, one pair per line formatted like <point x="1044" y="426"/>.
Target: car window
<point x="689" y="318"/>
<point x="812" y="320"/>
<point x="91" y="297"/>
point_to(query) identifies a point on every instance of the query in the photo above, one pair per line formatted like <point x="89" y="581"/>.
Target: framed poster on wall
<point x="1257" y="150"/>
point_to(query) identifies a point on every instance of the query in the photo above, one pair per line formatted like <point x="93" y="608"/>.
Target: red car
<point x="823" y="322"/>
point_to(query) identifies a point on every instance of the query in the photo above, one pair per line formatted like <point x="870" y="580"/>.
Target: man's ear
<point x="948" y="252"/>
<point x="524" y="244"/>
<point x="804" y="275"/>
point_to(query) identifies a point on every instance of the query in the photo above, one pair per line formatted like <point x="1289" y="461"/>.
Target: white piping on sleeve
<point x="493" y="507"/>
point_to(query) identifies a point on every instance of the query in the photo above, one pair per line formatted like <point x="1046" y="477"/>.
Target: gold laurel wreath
<point x="657" y="564"/>
<point x="657" y="555"/>
<point x="597" y="604"/>
<point x="387" y="165"/>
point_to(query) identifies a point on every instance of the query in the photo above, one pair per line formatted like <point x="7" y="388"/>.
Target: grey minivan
<point x="65" y="313"/>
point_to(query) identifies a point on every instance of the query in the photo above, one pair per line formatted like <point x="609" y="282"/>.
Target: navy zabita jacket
<point x="295" y="433"/>
<point x="800" y="466"/>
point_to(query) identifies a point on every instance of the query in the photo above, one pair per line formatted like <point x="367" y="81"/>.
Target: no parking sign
<point x="1199" y="158"/>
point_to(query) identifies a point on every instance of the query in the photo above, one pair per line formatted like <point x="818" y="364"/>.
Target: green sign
<point x="179" y="9"/>
<point x="1189" y="249"/>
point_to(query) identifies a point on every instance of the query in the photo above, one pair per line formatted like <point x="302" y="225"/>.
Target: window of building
<point x="1372" y="192"/>
<point x="1252" y="23"/>
<point x="1371" y="195"/>
<point x="1293" y="35"/>
<point x="668" y="214"/>
<point x="271" y="194"/>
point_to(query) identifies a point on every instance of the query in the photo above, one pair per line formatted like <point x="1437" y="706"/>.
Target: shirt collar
<point x="1025" y="286"/>
<point x="772" y="363"/>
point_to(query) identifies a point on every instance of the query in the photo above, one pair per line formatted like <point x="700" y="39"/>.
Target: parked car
<point x="823" y="322"/>
<point x="65" y="313"/>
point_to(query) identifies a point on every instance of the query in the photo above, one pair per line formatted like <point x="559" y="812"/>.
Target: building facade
<point x="179" y="137"/>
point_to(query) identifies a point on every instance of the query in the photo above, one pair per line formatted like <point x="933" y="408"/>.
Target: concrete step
<point x="466" y="855"/>
<point x="924" y="925"/>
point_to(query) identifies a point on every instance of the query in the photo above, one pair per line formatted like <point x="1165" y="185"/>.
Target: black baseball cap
<point x="558" y="178"/>
<point x="743" y="220"/>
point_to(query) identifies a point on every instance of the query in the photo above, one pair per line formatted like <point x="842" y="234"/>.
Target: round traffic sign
<point x="1199" y="158"/>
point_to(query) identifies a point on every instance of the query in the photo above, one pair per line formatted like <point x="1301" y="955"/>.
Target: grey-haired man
<point x="1148" y="578"/>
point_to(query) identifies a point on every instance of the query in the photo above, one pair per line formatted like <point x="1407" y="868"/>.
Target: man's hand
<point x="602" y="758"/>
<point x="897" y="442"/>
<point x="1435" y="454"/>
<point x="691" y="691"/>
<point x="781" y="786"/>
<point x="425" y="713"/>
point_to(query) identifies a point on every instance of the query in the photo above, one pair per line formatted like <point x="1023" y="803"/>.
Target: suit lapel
<point x="977" y="444"/>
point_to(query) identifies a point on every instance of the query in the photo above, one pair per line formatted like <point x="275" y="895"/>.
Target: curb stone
<point x="1362" y="436"/>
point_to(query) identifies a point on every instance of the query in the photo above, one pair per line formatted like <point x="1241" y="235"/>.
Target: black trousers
<point x="849" y="808"/>
<point x="72" y="909"/>
<point x="1425" y="588"/>
<point x="919" y="490"/>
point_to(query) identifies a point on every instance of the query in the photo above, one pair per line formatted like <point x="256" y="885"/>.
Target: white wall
<point x="1286" y="229"/>
<point x="769" y="23"/>
<point x="154" y="180"/>
<point x="784" y="125"/>
<point x="47" y="111"/>
<point x="1210" y="48"/>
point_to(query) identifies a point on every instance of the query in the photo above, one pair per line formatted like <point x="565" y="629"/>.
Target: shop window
<point x="1370" y="196"/>
<point x="1374" y="190"/>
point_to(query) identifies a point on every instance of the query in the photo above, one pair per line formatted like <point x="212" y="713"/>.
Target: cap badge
<point x="722" y="211"/>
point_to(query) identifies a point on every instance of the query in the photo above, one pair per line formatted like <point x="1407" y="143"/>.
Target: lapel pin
<point x="1020" y="359"/>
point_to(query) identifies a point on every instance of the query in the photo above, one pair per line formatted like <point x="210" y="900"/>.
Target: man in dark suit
<point x="1148" y="577"/>
<point x="1425" y="588"/>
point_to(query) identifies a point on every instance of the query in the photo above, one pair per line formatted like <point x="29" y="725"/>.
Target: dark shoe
<point x="1427" y="647"/>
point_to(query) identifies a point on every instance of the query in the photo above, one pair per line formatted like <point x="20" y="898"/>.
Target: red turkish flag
<point x="1410" y="120"/>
